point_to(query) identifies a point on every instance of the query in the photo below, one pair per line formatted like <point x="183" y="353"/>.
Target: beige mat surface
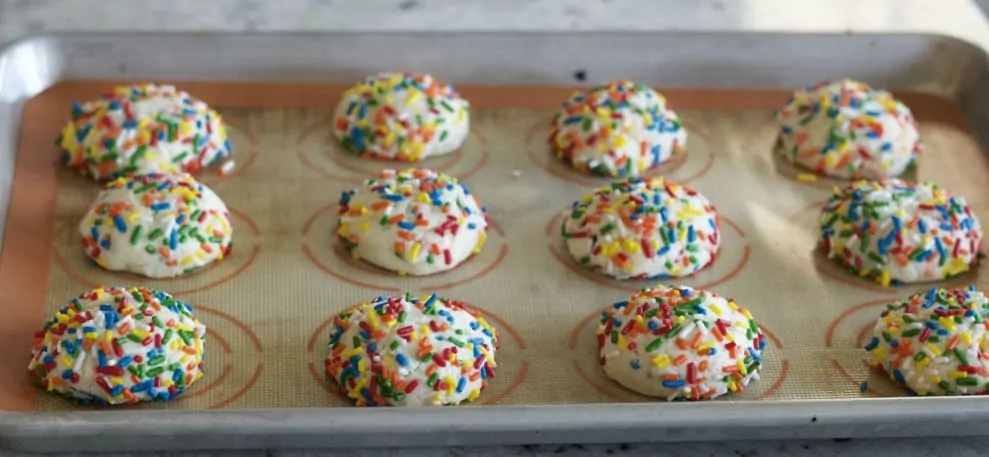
<point x="268" y="305"/>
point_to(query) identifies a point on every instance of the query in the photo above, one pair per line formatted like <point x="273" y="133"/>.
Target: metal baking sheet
<point x="261" y="390"/>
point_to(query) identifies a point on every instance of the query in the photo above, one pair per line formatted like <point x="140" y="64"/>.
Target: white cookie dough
<point x="678" y="342"/>
<point x="618" y="129"/>
<point x="415" y="222"/>
<point x="847" y="129"/>
<point x="934" y="342"/>
<point x="143" y="129"/>
<point x="897" y="232"/>
<point x="402" y="116"/>
<point x="411" y="351"/>
<point x="115" y="346"/>
<point x="642" y="228"/>
<point x="156" y="226"/>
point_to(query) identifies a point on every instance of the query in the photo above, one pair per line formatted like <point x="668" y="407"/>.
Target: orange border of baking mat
<point x="25" y="263"/>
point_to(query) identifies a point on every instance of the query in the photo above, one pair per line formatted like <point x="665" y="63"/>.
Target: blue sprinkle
<point x="401" y="359"/>
<point x="142" y="386"/>
<point x="357" y="137"/>
<point x="406" y="225"/>
<point x="461" y="384"/>
<point x="117" y="391"/>
<point x="674" y="384"/>
<point x="393" y="197"/>
<point x="899" y="377"/>
<point x="118" y="221"/>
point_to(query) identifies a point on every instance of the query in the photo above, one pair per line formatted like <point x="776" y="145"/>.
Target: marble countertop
<point x="26" y="17"/>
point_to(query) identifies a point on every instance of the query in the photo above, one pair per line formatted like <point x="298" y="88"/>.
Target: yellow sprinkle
<point x="806" y="177"/>
<point x="372" y="318"/>
<point x="414" y="252"/>
<point x="451" y="385"/>
<point x="482" y="238"/>
<point x="474" y="393"/>
<point x="67" y="362"/>
<point x="715" y="309"/>
<point x="933" y="349"/>
<point x="884" y="278"/>
<point x="188" y="260"/>
<point x="967" y="338"/>
<point x="954" y="374"/>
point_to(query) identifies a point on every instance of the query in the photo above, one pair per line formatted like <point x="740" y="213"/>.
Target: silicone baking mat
<point x="268" y="305"/>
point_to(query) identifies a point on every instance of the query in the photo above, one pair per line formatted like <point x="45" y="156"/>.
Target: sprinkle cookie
<point x="934" y="343"/>
<point x="143" y="129"/>
<point x="618" y="129"/>
<point x="113" y="346"/>
<point x="643" y="228"/>
<point x="680" y="343"/>
<point x="415" y="222"/>
<point x="411" y="351"/>
<point x="897" y="232"/>
<point x="401" y="116"/>
<point x="846" y="129"/>
<point x="156" y="226"/>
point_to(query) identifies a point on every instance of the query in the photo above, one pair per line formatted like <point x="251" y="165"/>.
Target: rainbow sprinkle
<point x="156" y="225"/>
<point x="115" y="346"/>
<point x="849" y="130"/>
<point x="411" y="351"/>
<point x="143" y="129"/>
<point x="934" y="342"/>
<point x="897" y="232"/>
<point x="401" y="116"/>
<point x="430" y="221"/>
<point x="680" y="343"/>
<point x="643" y="228"/>
<point x="618" y="129"/>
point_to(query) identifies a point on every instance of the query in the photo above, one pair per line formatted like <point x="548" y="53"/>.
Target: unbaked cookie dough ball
<point x="847" y="129"/>
<point x="618" y="129"/>
<point x="402" y="116"/>
<point x="143" y="129"/>
<point x="934" y="342"/>
<point x="415" y="222"/>
<point x="678" y="342"/>
<point x="156" y="226"/>
<point x="114" y="346"/>
<point x="411" y="351"/>
<point x="642" y="228"/>
<point x="898" y="232"/>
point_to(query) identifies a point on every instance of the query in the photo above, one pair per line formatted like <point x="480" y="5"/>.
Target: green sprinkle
<point x="654" y="344"/>
<point x="911" y="333"/>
